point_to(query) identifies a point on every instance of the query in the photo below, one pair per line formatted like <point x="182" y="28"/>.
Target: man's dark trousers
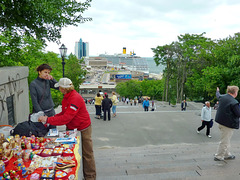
<point x="109" y="114"/>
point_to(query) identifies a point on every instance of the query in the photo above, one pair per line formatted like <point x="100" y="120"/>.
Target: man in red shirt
<point x="75" y="116"/>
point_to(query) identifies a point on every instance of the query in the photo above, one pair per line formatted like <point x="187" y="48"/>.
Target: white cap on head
<point x="64" y="83"/>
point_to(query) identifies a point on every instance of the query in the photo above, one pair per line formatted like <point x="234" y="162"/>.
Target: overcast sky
<point x="140" y="25"/>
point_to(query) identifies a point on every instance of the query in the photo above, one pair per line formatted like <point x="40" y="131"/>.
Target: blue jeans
<point x="114" y="109"/>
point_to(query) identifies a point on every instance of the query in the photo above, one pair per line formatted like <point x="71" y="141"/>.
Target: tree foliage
<point x="26" y="25"/>
<point x="196" y="65"/>
<point x="74" y="71"/>
<point x="132" y="88"/>
<point x="41" y="19"/>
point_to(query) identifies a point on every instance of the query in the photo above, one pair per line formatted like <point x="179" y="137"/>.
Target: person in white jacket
<point x="206" y="119"/>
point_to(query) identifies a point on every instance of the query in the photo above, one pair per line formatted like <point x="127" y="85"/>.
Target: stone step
<point x="177" y="161"/>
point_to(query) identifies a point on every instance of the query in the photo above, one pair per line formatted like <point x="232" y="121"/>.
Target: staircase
<point x="175" y="161"/>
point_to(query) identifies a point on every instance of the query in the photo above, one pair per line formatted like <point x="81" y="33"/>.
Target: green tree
<point x="41" y="19"/>
<point x="129" y="88"/>
<point x="153" y="88"/>
<point x="74" y="70"/>
<point x="164" y="55"/>
<point x="26" y="25"/>
<point x="191" y="52"/>
<point x="132" y="88"/>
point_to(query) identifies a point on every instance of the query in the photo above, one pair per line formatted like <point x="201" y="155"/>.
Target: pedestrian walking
<point x="206" y="119"/>
<point x="227" y="117"/>
<point x="153" y="106"/>
<point x="127" y="100"/>
<point x="184" y="105"/>
<point x="146" y="104"/>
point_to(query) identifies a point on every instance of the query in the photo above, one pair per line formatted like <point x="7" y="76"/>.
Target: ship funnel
<point x="124" y="50"/>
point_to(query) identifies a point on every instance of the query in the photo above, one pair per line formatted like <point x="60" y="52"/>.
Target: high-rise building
<point x="81" y="49"/>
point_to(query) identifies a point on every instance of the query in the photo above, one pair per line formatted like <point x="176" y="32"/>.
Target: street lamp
<point x="141" y="96"/>
<point x="63" y="52"/>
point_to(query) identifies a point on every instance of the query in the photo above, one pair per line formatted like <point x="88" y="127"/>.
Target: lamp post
<point x="63" y="52"/>
<point x="141" y="96"/>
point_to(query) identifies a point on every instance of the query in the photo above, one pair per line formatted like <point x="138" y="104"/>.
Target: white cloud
<point x="140" y="25"/>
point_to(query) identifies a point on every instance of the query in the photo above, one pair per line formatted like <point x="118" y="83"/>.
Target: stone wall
<point x="14" y="95"/>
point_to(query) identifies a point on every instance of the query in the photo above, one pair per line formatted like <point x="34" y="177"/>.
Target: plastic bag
<point x="34" y="117"/>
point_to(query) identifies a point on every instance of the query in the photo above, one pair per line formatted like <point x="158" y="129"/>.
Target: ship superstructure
<point x="129" y="61"/>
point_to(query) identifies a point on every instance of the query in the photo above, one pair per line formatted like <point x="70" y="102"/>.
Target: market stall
<point x="40" y="157"/>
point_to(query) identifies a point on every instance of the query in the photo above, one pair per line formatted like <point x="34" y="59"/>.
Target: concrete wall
<point x="14" y="95"/>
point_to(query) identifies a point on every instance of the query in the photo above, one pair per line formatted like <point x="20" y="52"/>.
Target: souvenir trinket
<point x="46" y="152"/>
<point x="35" y="176"/>
<point x="60" y="175"/>
<point x="2" y="167"/>
<point x="48" y="174"/>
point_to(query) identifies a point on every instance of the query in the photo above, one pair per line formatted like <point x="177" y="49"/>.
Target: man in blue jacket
<point x="146" y="104"/>
<point x="227" y="117"/>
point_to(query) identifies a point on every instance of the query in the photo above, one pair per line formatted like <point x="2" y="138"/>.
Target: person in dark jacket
<point x="184" y="105"/>
<point x="40" y="91"/>
<point x="106" y="106"/>
<point x="227" y="117"/>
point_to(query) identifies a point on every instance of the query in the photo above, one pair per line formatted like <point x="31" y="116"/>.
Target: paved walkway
<point x="161" y="144"/>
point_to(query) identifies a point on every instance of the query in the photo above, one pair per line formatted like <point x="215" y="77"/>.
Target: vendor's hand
<point x="42" y="119"/>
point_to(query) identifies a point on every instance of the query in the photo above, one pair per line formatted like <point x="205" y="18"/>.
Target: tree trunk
<point x="177" y="90"/>
<point x="167" y="85"/>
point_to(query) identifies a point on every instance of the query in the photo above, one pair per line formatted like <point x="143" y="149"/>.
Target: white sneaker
<point x="198" y="131"/>
<point x="209" y="136"/>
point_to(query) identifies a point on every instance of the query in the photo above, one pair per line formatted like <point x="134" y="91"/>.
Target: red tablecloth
<point x="74" y="170"/>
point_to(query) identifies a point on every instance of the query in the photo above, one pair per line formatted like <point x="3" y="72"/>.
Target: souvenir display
<point x="61" y="175"/>
<point x="65" y="162"/>
<point x="39" y="161"/>
<point x="68" y="134"/>
<point x="35" y="176"/>
<point x="57" y="151"/>
<point x="33" y="158"/>
<point x="1" y="153"/>
<point x="2" y="139"/>
<point x="38" y="151"/>
<point x="2" y="167"/>
<point x="47" y="152"/>
<point x="5" y="160"/>
<point x="48" y="174"/>
<point x="68" y="152"/>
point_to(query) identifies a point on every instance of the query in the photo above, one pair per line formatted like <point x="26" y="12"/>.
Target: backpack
<point x="29" y="128"/>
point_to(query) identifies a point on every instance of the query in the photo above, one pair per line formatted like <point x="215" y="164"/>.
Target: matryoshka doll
<point x="2" y="139"/>
<point x="2" y="167"/>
